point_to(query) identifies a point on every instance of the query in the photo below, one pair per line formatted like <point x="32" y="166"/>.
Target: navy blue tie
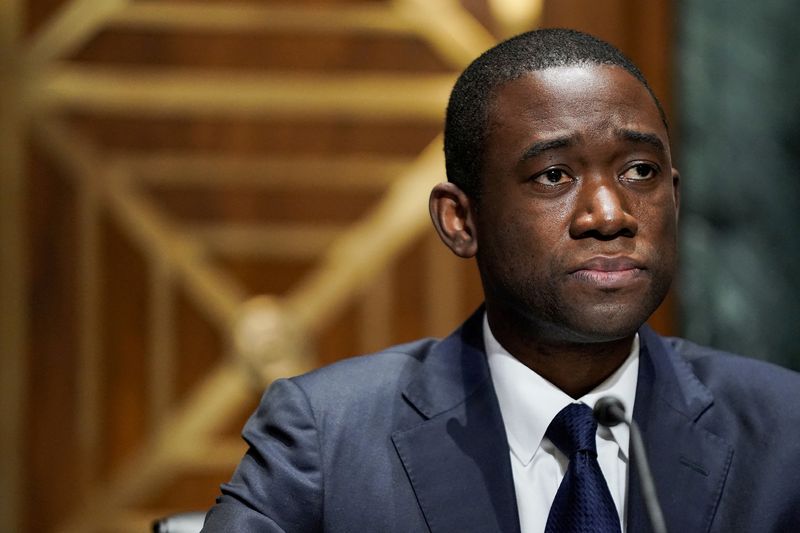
<point x="583" y="503"/>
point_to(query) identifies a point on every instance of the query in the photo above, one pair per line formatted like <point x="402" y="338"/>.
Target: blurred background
<point x="199" y="196"/>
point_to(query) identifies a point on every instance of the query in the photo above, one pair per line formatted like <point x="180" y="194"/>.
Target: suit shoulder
<point x="367" y="375"/>
<point x="735" y="374"/>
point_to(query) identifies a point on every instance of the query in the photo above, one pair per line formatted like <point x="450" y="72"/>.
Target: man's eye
<point x="553" y="176"/>
<point x="638" y="172"/>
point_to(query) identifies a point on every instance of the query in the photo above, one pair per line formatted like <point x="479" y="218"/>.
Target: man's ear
<point x="676" y="191"/>
<point x="453" y="217"/>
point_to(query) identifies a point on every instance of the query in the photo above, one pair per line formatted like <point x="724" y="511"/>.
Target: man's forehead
<point x="577" y="91"/>
<point x="574" y="107"/>
<point x="586" y="76"/>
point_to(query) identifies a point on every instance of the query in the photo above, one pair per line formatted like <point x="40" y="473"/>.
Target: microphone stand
<point x="609" y="411"/>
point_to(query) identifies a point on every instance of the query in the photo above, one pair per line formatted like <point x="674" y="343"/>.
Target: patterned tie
<point x="583" y="502"/>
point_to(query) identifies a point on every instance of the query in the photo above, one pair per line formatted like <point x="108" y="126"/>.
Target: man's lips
<point x="602" y="263"/>
<point x="609" y="272"/>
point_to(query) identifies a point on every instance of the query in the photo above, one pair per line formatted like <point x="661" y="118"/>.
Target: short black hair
<point x="468" y="108"/>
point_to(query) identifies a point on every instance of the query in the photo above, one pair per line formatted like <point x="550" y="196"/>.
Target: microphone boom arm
<point x="609" y="411"/>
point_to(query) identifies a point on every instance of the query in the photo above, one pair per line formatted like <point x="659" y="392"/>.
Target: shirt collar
<point x="528" y="402"/>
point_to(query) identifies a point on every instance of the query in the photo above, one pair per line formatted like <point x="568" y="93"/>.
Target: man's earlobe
<point x="452" y="215"/>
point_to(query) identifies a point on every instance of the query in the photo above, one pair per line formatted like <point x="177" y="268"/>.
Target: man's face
<point x="576" y="224"/>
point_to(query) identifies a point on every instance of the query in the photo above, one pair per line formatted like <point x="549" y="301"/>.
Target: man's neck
<point x="574" y="367"/>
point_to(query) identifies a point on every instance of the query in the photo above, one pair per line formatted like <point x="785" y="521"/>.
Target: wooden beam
<point x="370" y="172"/>
<point x="89" y="371"/>
<point x="123" y="522"/>
<point x="220" y="395"/>
<point x="269" y="341"/>
<point x="444" y="289"/>
<point x="215" y="293"/>
<point x="267" y="240"/>
<point x="216" y="399"/>
<point x="66" y="31"/>
<point x="115" y="91"/>
<point x="449" y="28"/>
<point x="11" y="12"/>
<point x="13" y="271"/>
<point x="186" y="437"/>
<point x="369" y="245"/>
<point x="375" y="318"/>
<point x="516" y="16"/>
<point x="250" y="16"/>
<point x="211" y="456"/>
<point x="161" y="359"/>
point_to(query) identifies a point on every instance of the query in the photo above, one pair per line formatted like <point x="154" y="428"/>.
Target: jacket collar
<point x="455" y="369"/>
<point x="457" y="460"/>
<point x="689" y="464"/>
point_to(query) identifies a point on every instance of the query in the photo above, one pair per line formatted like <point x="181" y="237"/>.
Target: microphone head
<point x="609" y="411"/>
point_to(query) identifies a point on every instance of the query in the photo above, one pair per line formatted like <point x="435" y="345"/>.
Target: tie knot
<point x="573" y="430"/>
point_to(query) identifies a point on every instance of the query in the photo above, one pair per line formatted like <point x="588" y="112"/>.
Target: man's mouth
<point x="609" y="272"/>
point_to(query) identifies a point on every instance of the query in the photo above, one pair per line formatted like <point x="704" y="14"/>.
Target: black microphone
<point x="609" y="411"/>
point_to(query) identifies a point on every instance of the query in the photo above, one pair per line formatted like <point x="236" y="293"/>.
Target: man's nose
<point x="602" y="212"/>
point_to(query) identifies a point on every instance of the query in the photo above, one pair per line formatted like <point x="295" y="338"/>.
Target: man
<point x="561" y="186"/>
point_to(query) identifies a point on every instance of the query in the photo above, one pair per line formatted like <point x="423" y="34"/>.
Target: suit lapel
<point x="689" y="464"/>
<point x="457" y="460"/>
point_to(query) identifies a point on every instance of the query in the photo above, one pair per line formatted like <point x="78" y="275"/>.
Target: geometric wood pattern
<point x="199" y="197"/>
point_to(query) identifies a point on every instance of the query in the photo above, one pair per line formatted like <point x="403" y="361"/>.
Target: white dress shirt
<point x="528" y="403"/>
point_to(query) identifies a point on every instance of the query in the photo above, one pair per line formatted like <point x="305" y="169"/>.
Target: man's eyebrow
<point x="642" y="137"/>
<point x="540" y="147"/>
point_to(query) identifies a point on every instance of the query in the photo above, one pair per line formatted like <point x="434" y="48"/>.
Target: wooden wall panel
<point x="198" y="346"/>
<point x="199" y="206"/>
<point x="232" y="428"/>
<point x="36" y="12"/>
<point x="195" y="490"/>
<point x="266" y="275"/>
<point x="642" y="30"/>
<point x="52" y="459"/>
<point x="253" y="50"/>
<point x="408" y="314"/>
<point x="159" y="232"/>
<point x="123" y="376"/>
<point x="340" y="338"/>
<point x="297" y="136"/>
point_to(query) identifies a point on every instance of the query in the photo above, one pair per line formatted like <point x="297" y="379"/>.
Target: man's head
<point x="470" y="101"/>
<point x="575" y="233"/>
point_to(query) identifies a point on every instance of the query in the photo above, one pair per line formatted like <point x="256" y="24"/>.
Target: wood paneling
<point x="408" y="315"/>
<point x="52" y="459"/>
<point x="266" y="276"/>
<point x="273" y="51"/>
<point x="39" y="11"/>
<point x="340" y="339"/>
<point x="123" y="375"/>
<point x="198" y="346"/>
<point x="231" y="205"/>
<point x="257" y="137"/>
<point x="192" y="491"/>
<point x="149" y="227"/>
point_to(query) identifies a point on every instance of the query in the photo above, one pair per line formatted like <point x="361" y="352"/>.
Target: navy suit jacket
<point x="412" y="439"/>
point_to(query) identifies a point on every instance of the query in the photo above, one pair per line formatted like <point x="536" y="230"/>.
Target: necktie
<point x="583" y="502"/>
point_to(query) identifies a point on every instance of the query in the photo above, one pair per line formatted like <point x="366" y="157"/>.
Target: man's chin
<point x="605" y="323"/>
